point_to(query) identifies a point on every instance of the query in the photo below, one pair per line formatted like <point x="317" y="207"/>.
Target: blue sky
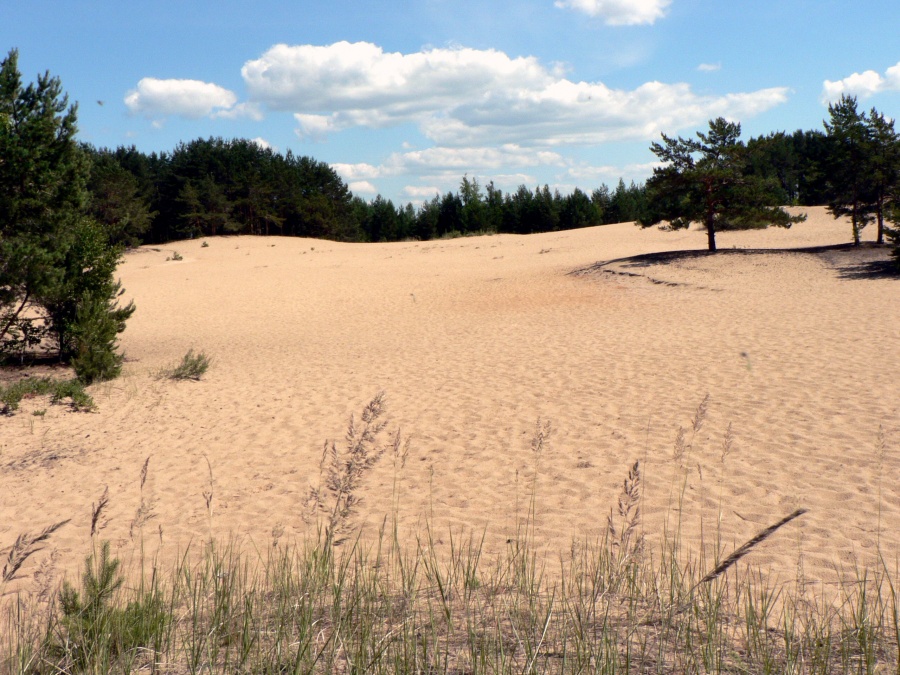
<point x="405" y="97"/>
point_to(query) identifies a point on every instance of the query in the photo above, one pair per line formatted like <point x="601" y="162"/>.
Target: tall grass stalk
<point x="372" y="606"/>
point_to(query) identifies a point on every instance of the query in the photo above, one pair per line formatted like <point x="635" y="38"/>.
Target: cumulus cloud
<point x="262" y="143"/>
<point x="592" y="175"/>
<point x="453" y="162"/>
<point x="620" y="12"/>
<point x="467" y="97"/>
<point x="568" y="113"/>
<point x="368" y="87"/>
<point x="363" y="187"/>
<point x="709" y="67"/>
<point x="315" y="126"/>
<point x="862" y="85"/>
<point x="421" y="193"/>
<point x="252" y="111"/>
<point x="479" y="159"/>
<point x="187" y="98"/>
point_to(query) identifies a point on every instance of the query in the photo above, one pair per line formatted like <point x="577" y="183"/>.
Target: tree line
<point x="209" y="187"/>
<point x="215" y="186"/>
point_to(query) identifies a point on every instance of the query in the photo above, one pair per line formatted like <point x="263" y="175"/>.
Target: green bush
<point x="11" y="396"/>
<point x="73" y="389"/>
<point x="94" y="333"/>
<point x="192" y="367"/>
<point x="93" y="628"/>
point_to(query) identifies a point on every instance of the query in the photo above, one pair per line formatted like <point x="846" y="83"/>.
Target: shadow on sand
<point x="867" y="261"/>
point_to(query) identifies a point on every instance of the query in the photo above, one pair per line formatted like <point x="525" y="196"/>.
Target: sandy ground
<point x="473" y="340"/>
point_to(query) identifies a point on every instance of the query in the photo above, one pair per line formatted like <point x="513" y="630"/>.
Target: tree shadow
<point x="867" y="261"/>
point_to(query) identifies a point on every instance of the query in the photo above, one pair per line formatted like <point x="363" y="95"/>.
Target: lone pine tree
<point x="704" y="180"/>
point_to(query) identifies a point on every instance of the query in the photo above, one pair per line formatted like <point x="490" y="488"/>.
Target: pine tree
<point x="851" y="191"/>
<point x="55" y="261"/>
<point x="705" y="181"/>
<point x="116" y="200"/>
<point x="885" y="161"/>
<point x="41" y="192"/>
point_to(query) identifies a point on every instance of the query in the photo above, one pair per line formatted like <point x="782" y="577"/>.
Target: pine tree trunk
<point x="880" y="237"/>
<point x="711" y="236"/>
<point x="710" y="216"/>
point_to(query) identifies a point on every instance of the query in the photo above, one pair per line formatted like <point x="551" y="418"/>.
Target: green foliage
<point x="94" y="334"/>
<point x="192" y="367"/>
<point x="59" y="390"/>
<point x="12" y="395"/>
<point x="58" y="263"/>
<point x="850" y="189"/>
<point x="85" y="288"/>
<point x="863" y="166"/>
<point x="893" y="233"/>
<point x="74" y="390"/>
<point x="885" y="167"/>
<point x="116" y="199"/>
<point x="705" y="181"/>
<point x="41" y="189"/>
<point x="93" y="627"/>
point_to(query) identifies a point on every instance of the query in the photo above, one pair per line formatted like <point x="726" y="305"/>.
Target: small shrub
<point x="205" y="244"/>
<point x="94" y="626"/>
<point x="192" y="367"/>
<point x="11" y="396"/>
<point x="73" y="389"/>
<point x="94" y="334"/>
<point x="175" y="256"/>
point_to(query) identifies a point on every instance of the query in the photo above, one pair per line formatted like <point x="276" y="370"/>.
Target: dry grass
<point x="25" y="546"/>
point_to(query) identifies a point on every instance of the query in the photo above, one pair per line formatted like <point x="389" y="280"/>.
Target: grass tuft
<point x="192" y="367"/>
<point x="58" y="390"/>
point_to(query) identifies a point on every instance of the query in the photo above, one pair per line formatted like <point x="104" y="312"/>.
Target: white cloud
<point x="263" y="143"/>
<point x="862" y="85"/>
<point x="593" y="175"/>
<point x="315" y="126"/>
<point x="364" y="86"/>
<point x="362" y="171"/>
<point x="450" y="163"/>
<point x="467" y="97"/>
<point x="479" y="159"/>
<point x="241" y="110"/>
<point x="709" y="67"/>
<point x="420" y="193"/>
<point x="187" y="98"/>
<point x="568" y="113"/>
<point x="362" y="186"/>
<point x="620" y="12"/>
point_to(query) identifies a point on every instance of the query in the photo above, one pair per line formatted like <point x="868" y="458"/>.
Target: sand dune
<point x="473" y="340"/>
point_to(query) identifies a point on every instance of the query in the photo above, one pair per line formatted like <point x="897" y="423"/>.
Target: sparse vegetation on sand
<point x="611" y="604"/>
<point x="193" y="366"/>
<point x="58" y="390"/>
